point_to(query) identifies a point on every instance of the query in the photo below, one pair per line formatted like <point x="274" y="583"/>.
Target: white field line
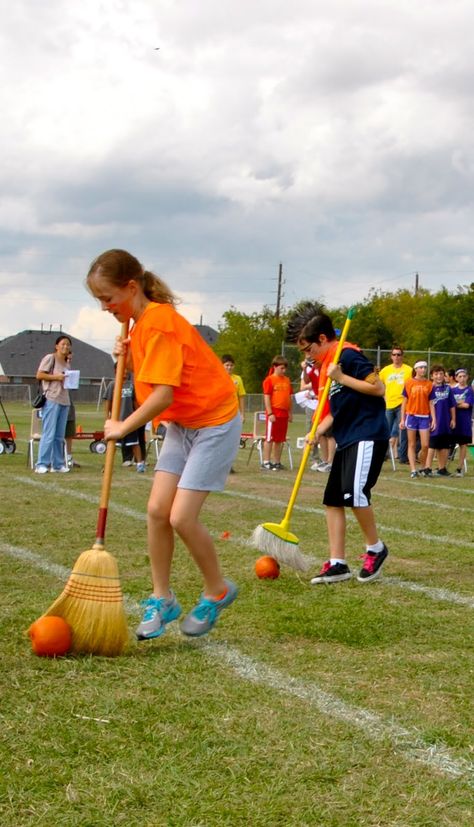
<point x="408" y="742"/>
<point x="444" y="595"/>
<point x="417" y="535"/>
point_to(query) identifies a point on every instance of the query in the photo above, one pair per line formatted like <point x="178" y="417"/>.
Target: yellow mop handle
<point x="316" y="421"/>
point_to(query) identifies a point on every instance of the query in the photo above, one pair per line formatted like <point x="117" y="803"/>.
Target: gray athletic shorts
<point x="201" y="457"/>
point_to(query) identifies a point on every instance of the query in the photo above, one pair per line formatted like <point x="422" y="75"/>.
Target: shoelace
<point x="206" y="608"/>
<point x="369" y="561"/>
<point x="326" y="566"/>
<point x="152" y="606"/>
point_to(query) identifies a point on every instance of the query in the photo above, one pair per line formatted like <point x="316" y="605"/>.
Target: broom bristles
<point x="92" y="605"/>
<point x="285" y="551"/>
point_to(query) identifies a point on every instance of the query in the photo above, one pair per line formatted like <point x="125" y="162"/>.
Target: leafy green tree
<point x="253" y="340"/>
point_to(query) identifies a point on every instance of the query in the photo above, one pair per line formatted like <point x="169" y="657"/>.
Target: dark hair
<point x="119" y="267"/>
<point x="304" y="313"/>
<point x="227" y="358"/>
<point x="435" y="368"/>
<point x="397" y="347"/>
<point x="60" y="338"/>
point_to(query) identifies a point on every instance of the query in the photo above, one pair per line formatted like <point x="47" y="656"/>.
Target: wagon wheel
<point x="10" y="446"/>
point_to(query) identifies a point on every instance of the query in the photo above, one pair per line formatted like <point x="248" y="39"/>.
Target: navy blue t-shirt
<point x="357" y="416"/>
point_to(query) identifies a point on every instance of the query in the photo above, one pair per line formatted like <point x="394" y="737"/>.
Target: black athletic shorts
<point x="354" y="472"/>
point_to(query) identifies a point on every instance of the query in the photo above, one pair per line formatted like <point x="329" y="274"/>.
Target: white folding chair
<point x="154" y="443"/>
<point x="259" y="427"/>
<point x="36" y="429"/>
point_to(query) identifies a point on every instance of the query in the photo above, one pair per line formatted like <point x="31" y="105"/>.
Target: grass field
<point x="335" y="706"/>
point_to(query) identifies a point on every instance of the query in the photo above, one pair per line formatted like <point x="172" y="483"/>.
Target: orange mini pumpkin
<point x="50" y="636"/>
<point x="267" y="568"/>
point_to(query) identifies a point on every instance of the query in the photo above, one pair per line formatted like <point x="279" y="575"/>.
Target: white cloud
<point x="336" y="138"/>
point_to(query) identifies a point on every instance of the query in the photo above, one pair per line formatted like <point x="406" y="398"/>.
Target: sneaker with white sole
<point x="62" y="470"/>
<point x="158" y="612"/>
<point x="267" y="466"/>
<point x="204" y="616"/>
<point x="373" y="562"/>
<point x="336" y="573"/>
<point x="41" y="469"/>
<point x="141" y="467"/>
<point x="324" y="467"/>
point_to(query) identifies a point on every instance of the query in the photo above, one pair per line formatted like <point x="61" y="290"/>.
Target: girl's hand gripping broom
<point x="92" y="602"/>
<point x="275" y="539"/>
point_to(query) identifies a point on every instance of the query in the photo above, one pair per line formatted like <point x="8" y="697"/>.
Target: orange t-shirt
<point x="279" y="389"/>
<point x="417" y="392"/>
<point x="168" y="350"/>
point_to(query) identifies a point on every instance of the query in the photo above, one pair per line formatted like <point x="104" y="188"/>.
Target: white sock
<point x="376" y="548"/>
<point x="334" y="560"/>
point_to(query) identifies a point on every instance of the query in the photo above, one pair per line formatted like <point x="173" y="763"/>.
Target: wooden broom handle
<point x="110" y="453"/>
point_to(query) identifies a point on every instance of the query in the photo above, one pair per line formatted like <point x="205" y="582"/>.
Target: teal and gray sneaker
<point x="204" y="616"/>
<point x="158" y="612"/>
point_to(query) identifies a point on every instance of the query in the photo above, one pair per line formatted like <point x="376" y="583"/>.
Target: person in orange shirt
<point x="418" y="414"/>
<point x="277" y="398"/>
<point x="180" y="380"/>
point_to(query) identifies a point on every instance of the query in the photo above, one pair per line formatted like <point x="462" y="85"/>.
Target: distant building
<point x="21" y="354"/>
<point x="208" y="333"/>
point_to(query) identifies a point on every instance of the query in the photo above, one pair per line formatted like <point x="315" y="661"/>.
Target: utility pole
<point x="280" y="279"/>
<point x="417" y="283"/>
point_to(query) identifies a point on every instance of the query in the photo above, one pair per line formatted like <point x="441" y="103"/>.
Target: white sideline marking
<point x="434" y="756"/>
<point x="428" y="591"/>
<point x="305" y="509"/>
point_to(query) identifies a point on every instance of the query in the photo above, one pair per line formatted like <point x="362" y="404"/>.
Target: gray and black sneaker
<point x="373" y="562"/>
<point x="442" y="472"/>
<point x="332" y="574"/>
<point x="158" y="612"/>
<point x="267" y="466"/>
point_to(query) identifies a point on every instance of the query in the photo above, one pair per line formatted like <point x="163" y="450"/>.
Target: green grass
<point x="341" y="706"/>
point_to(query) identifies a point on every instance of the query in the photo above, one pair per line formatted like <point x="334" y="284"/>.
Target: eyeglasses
<point x="397" y="354"/>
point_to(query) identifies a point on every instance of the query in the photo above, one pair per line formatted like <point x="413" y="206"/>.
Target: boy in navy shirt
<point x="357" y="416"/>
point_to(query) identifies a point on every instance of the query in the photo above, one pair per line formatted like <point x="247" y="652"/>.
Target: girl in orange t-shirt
<point x="178" y="379"/>
<point x="418" y="414"/>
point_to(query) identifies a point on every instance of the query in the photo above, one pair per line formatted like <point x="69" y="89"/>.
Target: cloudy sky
<point x="336" y="138"/>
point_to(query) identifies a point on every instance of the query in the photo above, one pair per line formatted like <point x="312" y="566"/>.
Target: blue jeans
<point x="51" y="447"/>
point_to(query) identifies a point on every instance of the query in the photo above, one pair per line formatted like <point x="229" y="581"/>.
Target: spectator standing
<point x="464" y="399"/>
<point x="441" y="435"/>
<point x="133" y="444"/>
<point x="277" y="398"/>
<point x="51" y="372"/>
<point x="394" y="377"/>
<point x="229" y="364"/>
<point x="418" y="413"/>
<point x="70" y="432"/>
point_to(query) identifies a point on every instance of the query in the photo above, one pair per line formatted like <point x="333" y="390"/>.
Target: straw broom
<point x="276" y="539"/>
<point x="92" y="602"/>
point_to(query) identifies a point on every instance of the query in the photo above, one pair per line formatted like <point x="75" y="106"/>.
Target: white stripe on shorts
<point x="365" y="452"/>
